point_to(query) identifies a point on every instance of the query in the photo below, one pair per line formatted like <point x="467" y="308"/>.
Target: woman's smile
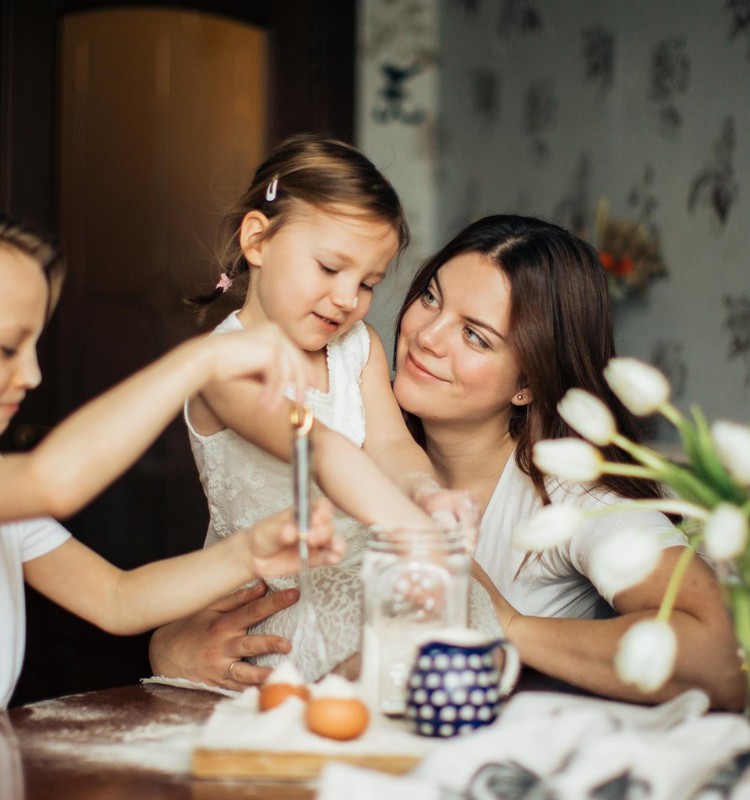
<point x="417" y="368"/>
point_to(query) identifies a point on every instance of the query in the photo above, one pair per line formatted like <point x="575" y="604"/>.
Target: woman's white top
<point x="19" y="542"/>
<point x="244" y="484"/>
<point x="560" y="582"/>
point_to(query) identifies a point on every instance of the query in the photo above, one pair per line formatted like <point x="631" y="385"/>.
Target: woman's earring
<point x="519" y="397"/>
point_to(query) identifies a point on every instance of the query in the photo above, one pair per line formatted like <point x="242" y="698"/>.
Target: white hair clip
<point x="271" y="189"/>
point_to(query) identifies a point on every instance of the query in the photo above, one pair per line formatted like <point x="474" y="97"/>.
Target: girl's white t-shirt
<point x="560" y="582"/>
<point x="19" y="542"/>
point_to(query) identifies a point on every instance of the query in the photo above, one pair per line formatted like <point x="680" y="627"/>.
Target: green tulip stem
<point x="634" y="470"/>
<point x="666" y="506"/>
<point x="683" y="481"/>
<point x="740" y="607"/>
<point x="643" y="454"/>
<point x="673" y="414"/>
<point x="670" y="595"/>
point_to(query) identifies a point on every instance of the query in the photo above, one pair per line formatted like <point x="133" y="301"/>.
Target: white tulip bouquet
<point x="711" y="492"/>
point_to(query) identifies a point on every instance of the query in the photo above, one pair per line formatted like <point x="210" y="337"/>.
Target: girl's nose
<point x="345" y="300"/>
<point x="29" y="375"/>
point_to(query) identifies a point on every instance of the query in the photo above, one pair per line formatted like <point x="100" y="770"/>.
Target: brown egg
<point x="337" y="717"/>
<point x="274" y="694"/>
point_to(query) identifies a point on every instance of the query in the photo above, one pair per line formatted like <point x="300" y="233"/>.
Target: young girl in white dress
<point x="309" y="240"/>
<point x="90" y="449"/>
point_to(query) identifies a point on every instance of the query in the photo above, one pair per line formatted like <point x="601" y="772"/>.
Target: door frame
<point x="311" y="87"/>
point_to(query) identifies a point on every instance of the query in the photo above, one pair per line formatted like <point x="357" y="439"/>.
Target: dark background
<point x="311" y="87"/>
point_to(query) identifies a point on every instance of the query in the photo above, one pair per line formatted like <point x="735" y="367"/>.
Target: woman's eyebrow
<point x="478" y="323"/>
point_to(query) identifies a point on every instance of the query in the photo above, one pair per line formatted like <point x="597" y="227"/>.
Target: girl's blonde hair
<point x="26" y="239"/>
<point x="323" y="172"/>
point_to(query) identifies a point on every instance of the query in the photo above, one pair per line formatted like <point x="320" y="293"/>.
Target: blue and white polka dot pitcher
<point x="458" y="682"/>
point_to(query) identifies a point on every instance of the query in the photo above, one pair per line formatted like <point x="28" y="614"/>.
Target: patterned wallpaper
<point x="546" y="107"/>
<point x="397" y="127"/>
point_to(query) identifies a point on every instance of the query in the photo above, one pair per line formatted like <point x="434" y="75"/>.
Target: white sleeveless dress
<point x="244" y="484"/>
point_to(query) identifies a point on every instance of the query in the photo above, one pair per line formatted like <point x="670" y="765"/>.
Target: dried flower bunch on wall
<point x="630" y="253"/>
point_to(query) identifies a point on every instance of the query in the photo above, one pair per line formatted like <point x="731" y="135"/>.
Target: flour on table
<point x="239" y="725"/>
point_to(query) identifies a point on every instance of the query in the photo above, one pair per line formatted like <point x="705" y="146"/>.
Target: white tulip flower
<point x="646" y="654"/>
<point x="726" y="531"/>
<point x="568" y="459"/>
<point x="641" y="388"/>
<point x="625" y="558"/>
<point x="588" y="416"/>
<point x="550" y="526"/>
<point x="732" y="442"/>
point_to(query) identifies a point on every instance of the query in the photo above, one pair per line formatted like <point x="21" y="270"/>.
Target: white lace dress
<point x="244" y="484"/>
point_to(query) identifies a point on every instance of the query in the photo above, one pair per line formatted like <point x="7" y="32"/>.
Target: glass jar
<point x="414" y="580"/>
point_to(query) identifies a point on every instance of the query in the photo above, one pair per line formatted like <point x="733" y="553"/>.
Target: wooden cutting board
<point x="287" y="766"/>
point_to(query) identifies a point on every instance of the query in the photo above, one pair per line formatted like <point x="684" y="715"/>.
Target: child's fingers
<point x="327" y="556"/>
<point x="276" y="381"/>
<point x="322" y="508"/>
<point x="288" y="535"/>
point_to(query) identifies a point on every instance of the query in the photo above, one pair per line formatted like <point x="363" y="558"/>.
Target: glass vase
<point x="415" y="580"/>
<point x="736" y="591"/>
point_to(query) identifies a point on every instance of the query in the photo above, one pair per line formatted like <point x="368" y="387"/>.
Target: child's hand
<point x="265" y="354"/>
<point x="274" y="542"/>
<point x="447" y="506"/>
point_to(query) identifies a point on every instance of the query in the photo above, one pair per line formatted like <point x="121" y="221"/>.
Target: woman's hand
<point x="205" y="646"/>
<point x="505" y="612"/>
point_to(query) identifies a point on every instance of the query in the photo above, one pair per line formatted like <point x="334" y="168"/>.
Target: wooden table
<point x="133" y="742"/>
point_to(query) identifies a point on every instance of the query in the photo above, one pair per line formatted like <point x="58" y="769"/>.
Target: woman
<point x="494" y="330"/>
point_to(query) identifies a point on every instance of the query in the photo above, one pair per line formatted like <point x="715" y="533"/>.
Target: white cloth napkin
<point x="570" y="748"/>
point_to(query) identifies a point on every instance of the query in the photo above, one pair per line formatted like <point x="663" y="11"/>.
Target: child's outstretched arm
<point x="347" y="475"/>
<point x="86" y="452"/>
<point x="130" y="602"/>
<point x="391" y="445"/>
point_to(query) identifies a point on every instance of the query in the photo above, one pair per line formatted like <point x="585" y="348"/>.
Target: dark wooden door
<point x="139" y="235"/>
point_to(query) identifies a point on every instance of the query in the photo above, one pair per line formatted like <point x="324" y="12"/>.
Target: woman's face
<point x="453" y="362"/>
<point x="23" y="305"/>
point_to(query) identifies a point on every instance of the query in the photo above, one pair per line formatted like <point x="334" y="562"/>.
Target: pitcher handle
<point x="511" y="667"/>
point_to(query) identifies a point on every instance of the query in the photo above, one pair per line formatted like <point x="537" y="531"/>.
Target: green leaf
<point x="689" y="439"/>
<point x="708" y="466"/>
<point x="688" y="485"/>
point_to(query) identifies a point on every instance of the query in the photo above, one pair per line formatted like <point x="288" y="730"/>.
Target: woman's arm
<point x="582" y="651"/>
<point x="91" y="448"/>
<point x="129" y="602"/>
<point x="392" y="447"/>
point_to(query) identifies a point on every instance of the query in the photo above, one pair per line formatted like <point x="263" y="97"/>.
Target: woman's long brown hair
<point x="560" y="331"/>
